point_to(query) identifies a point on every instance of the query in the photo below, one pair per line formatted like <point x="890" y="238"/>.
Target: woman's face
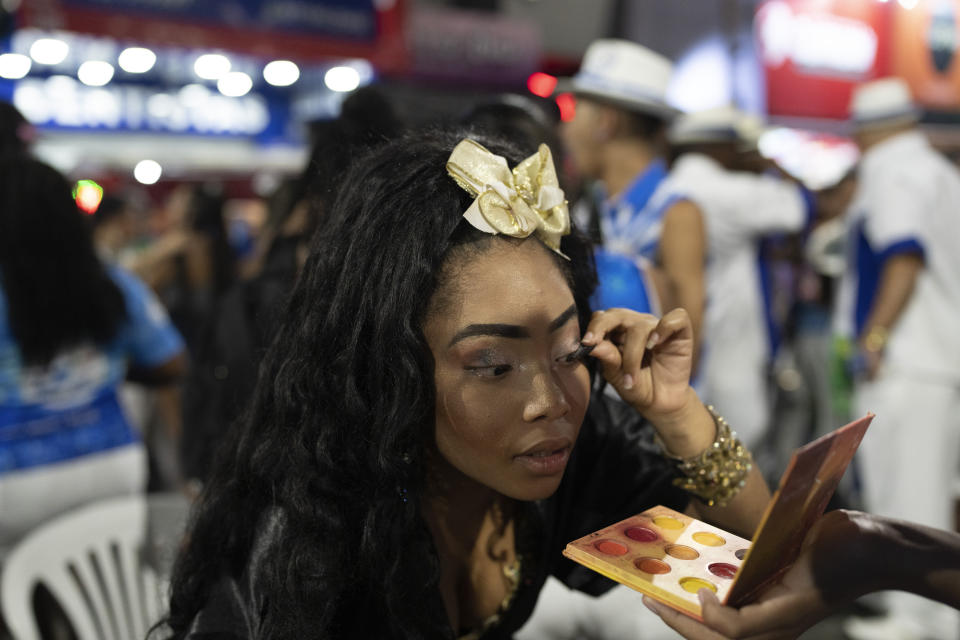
<point x="509" y="405"/>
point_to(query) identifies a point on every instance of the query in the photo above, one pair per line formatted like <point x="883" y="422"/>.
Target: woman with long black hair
<point x="71" y="330"/>
<point x="422" y="441"/>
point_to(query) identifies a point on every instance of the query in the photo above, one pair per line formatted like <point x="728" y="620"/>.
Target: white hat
<point x="626" y="74"/>
<point x="722" y="124"/>
<point x="881" y="103"/>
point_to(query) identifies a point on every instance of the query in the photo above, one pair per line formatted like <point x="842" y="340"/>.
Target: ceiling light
<point x="14" y="66"/>
<point x="342" y="79"/>
<point x="137" y="59"/>
<point x="281" y="73"/>
<point x="235" y="84"/>
<point x="95" y="73"/>
<point x="212" y="66"/>
<point x="49" y="51"/>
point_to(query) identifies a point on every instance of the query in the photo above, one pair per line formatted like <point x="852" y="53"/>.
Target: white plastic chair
<point x="94" y="561"/>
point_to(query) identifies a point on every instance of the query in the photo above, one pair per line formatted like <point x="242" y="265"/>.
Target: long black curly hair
<point x="340" y="424"/>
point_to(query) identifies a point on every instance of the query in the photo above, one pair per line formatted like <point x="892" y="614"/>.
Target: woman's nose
<point x="547" y="398"/>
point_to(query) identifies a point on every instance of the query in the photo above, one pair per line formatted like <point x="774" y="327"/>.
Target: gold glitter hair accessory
<point x="518" y="202"/>
<point x="718" y="473"/>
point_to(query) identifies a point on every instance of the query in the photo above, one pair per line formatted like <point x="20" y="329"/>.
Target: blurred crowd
<point x="130" y="338"/>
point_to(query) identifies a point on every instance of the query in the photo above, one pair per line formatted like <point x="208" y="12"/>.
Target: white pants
<point x="908" y="462"/>
<point x="30" y="497"/>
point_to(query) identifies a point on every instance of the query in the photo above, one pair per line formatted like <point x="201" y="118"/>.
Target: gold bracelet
<point x="718" y="473"/>
<point x="875" y="339"/>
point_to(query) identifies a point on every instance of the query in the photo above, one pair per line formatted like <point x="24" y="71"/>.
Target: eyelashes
<point x="491" y="369"/>
<point x="580" y="354"/>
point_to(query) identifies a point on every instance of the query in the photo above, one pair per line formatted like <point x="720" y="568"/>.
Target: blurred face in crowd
<point x="509" y="405"/>
<point x="584" y="135"/>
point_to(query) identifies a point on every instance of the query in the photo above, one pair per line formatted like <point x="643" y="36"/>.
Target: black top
<point x="614" y="472"/>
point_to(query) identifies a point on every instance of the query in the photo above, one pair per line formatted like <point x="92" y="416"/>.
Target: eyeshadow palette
<point x="665" y="554"/>
<point x="671" y="556"/>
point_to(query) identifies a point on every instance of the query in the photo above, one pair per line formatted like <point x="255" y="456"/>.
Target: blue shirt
<point x="70" y="407"/>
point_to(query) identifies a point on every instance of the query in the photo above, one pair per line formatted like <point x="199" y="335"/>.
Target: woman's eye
<point x="491" y="371"/>
<point x="573" y="357"/>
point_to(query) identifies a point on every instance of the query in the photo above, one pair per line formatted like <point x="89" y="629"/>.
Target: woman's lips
<point x="545" y="461"/>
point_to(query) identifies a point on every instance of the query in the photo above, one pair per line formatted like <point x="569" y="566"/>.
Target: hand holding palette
<point x="671" y="556"/>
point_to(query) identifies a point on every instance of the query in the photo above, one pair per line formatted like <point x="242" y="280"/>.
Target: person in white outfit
<point x="899" y="302"/>
<point x="739" y="209"/>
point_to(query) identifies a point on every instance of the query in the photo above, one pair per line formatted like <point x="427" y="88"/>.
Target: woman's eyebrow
<point x="509" y="330"/>
<point x="562" y="319"/>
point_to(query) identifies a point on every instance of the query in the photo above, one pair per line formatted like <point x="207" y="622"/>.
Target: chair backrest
<point x="95" y="561"/>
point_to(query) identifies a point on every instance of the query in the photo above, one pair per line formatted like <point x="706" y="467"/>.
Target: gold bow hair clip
<point x="515" y="203"/>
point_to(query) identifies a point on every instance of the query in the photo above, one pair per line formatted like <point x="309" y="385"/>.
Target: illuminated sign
<point x="61" y="101"/>
<point x="816" y="41"/>
<point x="815" y="51"/>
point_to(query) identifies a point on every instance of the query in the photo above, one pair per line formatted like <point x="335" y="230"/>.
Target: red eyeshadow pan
<point x="610" y="547"/>
<point x="642" y="534"/>
<point x="722" y="570"/>
<point x="651" y="565"/>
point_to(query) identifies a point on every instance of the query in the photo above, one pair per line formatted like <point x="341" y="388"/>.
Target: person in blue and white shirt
<point x="899" y="302"/>
<point x="71" y="331"/>
<point x="739" y="209"/>
<point x="617" y="137"/>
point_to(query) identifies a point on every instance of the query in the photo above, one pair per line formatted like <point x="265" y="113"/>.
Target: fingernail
<point x="628" y="381"/>
<point x="653" y="340"/>
<point x="588" y="337"/>
<point x="650" y="604"/>
<point x="702" y="596"/>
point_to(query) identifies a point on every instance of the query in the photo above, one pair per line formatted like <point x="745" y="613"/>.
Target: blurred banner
<point x="815" y="51"/>
<point x="925" y="48"/>
<point x="302" y="29"/>
<point x="470" y="46"/>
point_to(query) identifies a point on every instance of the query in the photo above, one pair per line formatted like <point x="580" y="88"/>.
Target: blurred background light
<point x="281" y="73"/>
<point x="568" y="106"/>
<point x="88" y="195"/>
<point x="235" y="84"/>
<point x="541" y="84"/>
<point x="95" y="73"/>
<point x="342" y="79"/>
<point x="212" y="66"/>
<point x="194" y="95"/>
<point x="137" y="59"/>
<point x="147" y="171"/>
<point x="49" y="51"/>
<point x="14" y="66"/>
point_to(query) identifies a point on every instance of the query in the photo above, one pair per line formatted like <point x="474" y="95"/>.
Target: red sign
<point x="815" y="51"/>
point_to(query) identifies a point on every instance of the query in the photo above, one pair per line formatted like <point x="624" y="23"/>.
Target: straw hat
<point x="625" y="74"/>
<point x="882" y="103"/>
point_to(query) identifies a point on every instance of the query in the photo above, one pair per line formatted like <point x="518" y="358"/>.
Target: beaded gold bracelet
<point x="718" y="473"/>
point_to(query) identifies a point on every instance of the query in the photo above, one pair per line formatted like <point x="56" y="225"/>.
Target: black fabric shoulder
<point x="615" y="471"/>
<point x="234" y="607"/>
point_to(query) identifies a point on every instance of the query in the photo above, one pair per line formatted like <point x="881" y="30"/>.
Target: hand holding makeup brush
<point x="648" y="360"/>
